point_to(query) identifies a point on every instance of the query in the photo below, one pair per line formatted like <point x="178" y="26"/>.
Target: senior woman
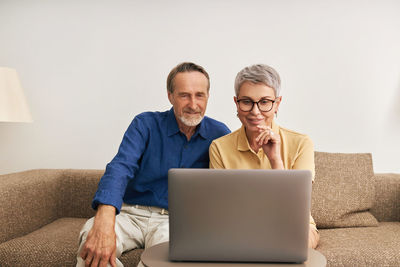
<point x="260" y="143"/>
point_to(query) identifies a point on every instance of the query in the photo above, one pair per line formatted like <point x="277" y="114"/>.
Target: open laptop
<point x="239" y="215"/>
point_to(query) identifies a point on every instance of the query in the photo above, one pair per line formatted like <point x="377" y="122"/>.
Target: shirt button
<point x="185" y="146"/>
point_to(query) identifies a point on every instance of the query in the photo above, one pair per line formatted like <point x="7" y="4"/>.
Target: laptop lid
<point x="239" y="215"/>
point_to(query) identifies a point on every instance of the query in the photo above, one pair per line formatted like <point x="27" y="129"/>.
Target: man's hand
<point x="313" y="238"/>
<point x="100" y="245"/>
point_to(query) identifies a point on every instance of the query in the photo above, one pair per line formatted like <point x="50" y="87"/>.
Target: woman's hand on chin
<point x="271" y="144"/>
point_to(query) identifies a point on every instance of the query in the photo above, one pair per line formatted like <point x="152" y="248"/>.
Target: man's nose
<point x="193" y="102"/>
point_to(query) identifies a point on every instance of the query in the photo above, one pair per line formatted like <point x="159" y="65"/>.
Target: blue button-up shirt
<point x="151" y="146"/>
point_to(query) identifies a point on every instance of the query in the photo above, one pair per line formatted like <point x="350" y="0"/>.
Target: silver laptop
<point x="239" y="215"/>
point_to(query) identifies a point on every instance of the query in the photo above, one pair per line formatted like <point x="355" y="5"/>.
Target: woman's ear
<point x="278" y="101"/>
<point x="237" y="107"/>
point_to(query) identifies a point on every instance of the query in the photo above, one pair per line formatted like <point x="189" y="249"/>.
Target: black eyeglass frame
<point x="256" y="102"/>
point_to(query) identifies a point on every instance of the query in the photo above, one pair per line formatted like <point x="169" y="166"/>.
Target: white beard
<point x="192" y="121"/>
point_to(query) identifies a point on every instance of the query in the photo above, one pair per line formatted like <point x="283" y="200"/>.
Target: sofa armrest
<point x="79" y="187"/>
<point x="32" y="199"/>
<point x="387" y="197"/>
<point x="28" y="200"/>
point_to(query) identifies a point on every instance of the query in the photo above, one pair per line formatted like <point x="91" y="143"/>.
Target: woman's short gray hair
<point x="259" y="73"/>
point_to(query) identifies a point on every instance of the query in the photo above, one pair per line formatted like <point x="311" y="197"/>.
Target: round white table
<point x="157" y="256"/>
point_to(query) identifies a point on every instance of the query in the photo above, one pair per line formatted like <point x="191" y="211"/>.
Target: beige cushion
<point x="387" y="203"/>
<point x="55" y="244"/>
<point x="344" y="190"/>
<point x="362" y="246"/>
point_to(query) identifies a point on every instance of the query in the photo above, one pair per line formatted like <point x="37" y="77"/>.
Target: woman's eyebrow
<point x="263" y="97"/>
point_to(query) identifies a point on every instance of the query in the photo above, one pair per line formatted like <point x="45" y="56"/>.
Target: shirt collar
<point x="173" y="127"/>
<point x="202" y="129"/>
<point x="275" y="127"/>
<point x="243" y="143"/>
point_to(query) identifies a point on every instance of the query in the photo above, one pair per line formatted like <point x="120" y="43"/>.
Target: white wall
<point x="88" y="67"/>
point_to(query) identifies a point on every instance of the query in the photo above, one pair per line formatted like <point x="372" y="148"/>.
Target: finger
<point x="104" y="261"/>
<point x="95" y="260"/>
<point x="259" y="136"/>
<point x="262" y="128"/>
<point x="106" y="258"/>
<point x="266" y="131"/>
<point x="83" y="253"/>
<point x="275" y="138"/>
<point x="88" y="260"/>
<point x="267" y="139"/>
<point x="264" y="138"/>
<point x="113" y="260"/>
<point x="271" y="135"/>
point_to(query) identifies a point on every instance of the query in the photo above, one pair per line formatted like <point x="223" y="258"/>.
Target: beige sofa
<point x="358" y="213"/>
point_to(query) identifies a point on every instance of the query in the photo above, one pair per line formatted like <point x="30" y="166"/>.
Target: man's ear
<point x="170" y="97"/>
<point x="235" y="100"/>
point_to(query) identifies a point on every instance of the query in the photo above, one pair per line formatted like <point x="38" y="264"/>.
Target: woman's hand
<point x="313" y="237"/>
<point x="271" y="144"/>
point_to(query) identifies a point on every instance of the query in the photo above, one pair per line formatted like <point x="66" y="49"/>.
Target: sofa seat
<point x="362" y="246"/>
<point x="55" y="244"/>
<point x="53" y="205"/>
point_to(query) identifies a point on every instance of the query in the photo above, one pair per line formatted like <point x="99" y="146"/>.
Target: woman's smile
<point x="255" y="121"/>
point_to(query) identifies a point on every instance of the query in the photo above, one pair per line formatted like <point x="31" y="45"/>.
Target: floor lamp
<point x="13" y="105"/>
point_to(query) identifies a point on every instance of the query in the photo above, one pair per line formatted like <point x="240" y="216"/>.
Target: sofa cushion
<point x="55" y="244"/>
<point x="387" y="197"/>
<point x="344" y="190"/>
<point x="362" y="246"/>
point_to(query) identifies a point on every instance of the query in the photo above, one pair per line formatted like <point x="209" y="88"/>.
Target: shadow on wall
<point x="392" y="120"/>
<point x="396" y="107"/>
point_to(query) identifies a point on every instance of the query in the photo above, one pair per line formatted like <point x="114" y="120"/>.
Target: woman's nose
<point x="255" y="109"/>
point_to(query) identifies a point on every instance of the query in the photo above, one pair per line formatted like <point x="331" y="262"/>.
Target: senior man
<point x="132" y="196"/>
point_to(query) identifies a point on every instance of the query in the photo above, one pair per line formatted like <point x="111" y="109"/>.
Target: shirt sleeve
<point x="215" y="157"/>
<point x="305" y="156"/>
<point x="312" y="223"/>
<point x="305" y="161"/>
<point x="123" y="166"/>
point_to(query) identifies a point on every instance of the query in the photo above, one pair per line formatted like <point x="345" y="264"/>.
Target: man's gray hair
<point x="185" y="67"/>
<point x="259" y="73"/>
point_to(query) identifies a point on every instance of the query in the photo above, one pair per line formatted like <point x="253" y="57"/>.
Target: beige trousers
<point x="135" y="227"/>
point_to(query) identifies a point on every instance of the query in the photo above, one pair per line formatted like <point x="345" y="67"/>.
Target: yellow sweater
<point x="233" y="151"/>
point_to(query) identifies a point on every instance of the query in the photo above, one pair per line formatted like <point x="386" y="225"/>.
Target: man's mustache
<point x="190" y="110"/>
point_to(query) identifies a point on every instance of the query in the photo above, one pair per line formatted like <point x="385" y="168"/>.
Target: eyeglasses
<point x="263" y="105"/>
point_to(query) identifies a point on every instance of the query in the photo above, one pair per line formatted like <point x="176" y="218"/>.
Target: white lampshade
<point x="13" y="105"/>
